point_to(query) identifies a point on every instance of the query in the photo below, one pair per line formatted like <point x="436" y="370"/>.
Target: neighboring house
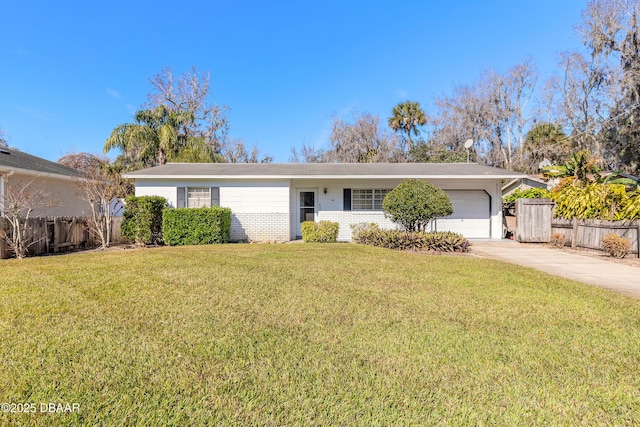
<point x="58" y="182"/>
<point x="525" y="183"/>
<point x="270" y="201"/>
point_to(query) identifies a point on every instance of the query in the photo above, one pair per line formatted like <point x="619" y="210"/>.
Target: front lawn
<point x="334" y="334"/>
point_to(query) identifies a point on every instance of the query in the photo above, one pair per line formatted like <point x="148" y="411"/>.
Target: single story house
<point x="57" y="181"/>
<point x="270" y="201"/>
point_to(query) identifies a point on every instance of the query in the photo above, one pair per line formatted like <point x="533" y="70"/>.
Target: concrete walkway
<point x="609" y="275"/>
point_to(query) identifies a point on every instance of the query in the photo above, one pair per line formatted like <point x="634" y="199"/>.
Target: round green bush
<point x="413" y="203"/>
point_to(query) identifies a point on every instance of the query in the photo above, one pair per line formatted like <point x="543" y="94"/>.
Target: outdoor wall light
<point x="325" y="190"/>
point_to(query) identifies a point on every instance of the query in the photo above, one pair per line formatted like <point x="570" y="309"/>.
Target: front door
<point x="306" y="207"/>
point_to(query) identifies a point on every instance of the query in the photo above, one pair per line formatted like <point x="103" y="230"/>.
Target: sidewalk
<point x="615" y="277"/>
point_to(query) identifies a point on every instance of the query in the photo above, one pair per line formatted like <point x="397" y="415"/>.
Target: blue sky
<point x="72" y="71"/>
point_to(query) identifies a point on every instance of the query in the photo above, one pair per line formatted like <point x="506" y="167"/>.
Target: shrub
<point x="589" y="201"/>
<point x="362" y="227"/>
<point x="616" y="246"/>
<point x="440" y="241"/>
<point x="322" y="232"/>
<point x="196" y="226"/>
<point x="142" y="219"/>
<point x="413" y="203"/>
<point x="557" y="240"/>
<point x="446" y="241"/>
<point x="530" y="193"/>
<point x="632" y="209"/>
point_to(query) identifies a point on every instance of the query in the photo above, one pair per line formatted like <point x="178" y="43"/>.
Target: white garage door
<point x="471" y="214"/>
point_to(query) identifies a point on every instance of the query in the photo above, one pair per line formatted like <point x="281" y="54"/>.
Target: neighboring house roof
<point x="528" y="181"/>
<point x="17" y="161"/>
<point x="323" y="170"/>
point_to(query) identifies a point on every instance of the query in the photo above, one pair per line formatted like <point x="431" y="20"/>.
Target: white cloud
<point x="401" y="93"/>
<point x="114" y="93"/>
<point x="346" y="110"/>
<point x="36" y="114"/>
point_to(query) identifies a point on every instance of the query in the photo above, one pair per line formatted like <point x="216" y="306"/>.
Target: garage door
<point x="471" y="214"/>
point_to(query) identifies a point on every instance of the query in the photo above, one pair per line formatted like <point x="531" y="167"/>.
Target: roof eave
<point x="4" y="169"/>
<point x="404" y="176"/>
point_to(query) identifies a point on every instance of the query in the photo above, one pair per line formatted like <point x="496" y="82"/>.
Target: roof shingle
<point x="11" y="158"/>
<point x="323" y="170"/>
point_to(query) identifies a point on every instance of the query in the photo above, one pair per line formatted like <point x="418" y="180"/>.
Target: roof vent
<point x="5" y="151"/>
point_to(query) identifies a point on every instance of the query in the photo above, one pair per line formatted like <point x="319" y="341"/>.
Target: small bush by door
<point x="322" y="232"/>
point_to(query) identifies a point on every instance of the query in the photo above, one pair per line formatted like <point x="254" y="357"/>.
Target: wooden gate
<point x="533" y="220"/>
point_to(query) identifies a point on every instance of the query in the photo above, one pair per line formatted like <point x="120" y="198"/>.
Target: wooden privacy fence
<point x="535" y="224"/>
<point x="589" y="232"/>
<point x="59" y="234"/>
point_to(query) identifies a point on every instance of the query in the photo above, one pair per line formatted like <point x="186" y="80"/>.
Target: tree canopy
<point x="407" y="117"/>
<point x="159" y="135"/>
<point x="413" y="203"/>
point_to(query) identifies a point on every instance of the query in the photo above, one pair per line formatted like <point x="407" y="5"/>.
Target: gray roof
<point x="323" y="170"/>
<point x="11" y="159"/>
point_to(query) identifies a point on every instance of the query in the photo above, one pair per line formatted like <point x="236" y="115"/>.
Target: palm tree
<point x="407" y="117"/>
<point x="156" y="136"/>
<point x="544" y="141"/>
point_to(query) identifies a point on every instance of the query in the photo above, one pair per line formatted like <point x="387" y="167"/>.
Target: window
<point x="199" y="197"/>
<point x="367" y="200"/>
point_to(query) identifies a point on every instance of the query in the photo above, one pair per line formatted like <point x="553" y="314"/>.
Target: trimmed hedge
<point x="142" y="219"/>
<point x="322" y="232"/>
<point x="439" y="241"/>
<point x="196" y="226"/>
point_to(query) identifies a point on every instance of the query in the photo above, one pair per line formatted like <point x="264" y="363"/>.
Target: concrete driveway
<point x="609" y="275"/>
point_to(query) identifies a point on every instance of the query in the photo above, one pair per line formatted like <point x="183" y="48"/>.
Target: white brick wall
<point x="259" y="226"/>
<point x="348" y="218"/>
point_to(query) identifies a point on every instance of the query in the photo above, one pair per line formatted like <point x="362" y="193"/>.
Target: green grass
<point x="333" y="334"/>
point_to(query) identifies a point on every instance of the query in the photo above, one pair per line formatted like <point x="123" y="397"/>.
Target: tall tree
<point x="493" y="112"/>
<point x="191" y="92"/>
<point x="611" y="30"/>
<point x="306" y="154"/>
<point x="156" y="136"/>
<point x="461" y="116"/>
<point x="86" y="163"/>
<point x="583" y="99"/>
<point x="434" y="152"/>
<point x="362" y="141"/>
<point x="544" y="141"/>
<point x="235" y="151"/>
<point x="407" y="117"/>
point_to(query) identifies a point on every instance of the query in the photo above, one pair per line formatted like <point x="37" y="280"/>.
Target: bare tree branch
<point x="191" y="92"/>
<point x="18" y="203"/>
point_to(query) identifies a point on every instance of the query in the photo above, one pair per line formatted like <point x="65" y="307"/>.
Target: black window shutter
<point x="346" y="200"/>
<point x="215" y="196"/>
<point x="181" y="197"/>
